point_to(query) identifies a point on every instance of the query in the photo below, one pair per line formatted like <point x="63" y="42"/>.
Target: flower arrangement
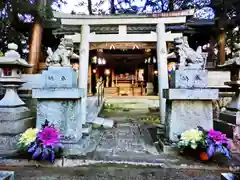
<point x="42" y="144"/>
<point x="208" y="143"/>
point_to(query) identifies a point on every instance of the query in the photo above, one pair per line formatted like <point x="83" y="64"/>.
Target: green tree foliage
<point x="13" y="13"/>
<point x="15" y="16"/>
<point x="140" y="6"/>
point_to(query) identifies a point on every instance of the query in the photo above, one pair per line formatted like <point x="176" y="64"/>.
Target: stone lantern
<point x="228" y="121"/>
<point x="15" y="117"/>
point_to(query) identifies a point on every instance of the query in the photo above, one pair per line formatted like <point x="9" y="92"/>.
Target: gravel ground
<point x="112" y="173"/>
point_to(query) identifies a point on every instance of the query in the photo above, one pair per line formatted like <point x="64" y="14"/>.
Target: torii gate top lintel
<point x="174" y="17"/>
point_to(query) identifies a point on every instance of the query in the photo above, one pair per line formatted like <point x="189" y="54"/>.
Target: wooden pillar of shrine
<point x="148" y="56"/>
<point x="113" y="77"/>
<point x="89" y="78"/>
<point x="222" y="43"/>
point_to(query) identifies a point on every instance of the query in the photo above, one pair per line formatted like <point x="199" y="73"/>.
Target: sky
<point x="105" y="6"/>
<point x="72" y="5"/>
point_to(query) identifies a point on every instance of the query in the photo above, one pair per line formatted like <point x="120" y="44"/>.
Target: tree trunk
<point x="171" y="5"/>
<point x="90" y="7"/>
<point x="112" y="5"/>
<point x="35" y="46"/>
<point x="222" y="43"/>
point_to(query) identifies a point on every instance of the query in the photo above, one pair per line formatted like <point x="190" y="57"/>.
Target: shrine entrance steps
<point x="124" y="91"/>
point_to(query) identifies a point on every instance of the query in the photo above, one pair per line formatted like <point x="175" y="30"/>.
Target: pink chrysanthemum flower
<point x="49" y="136"/>
<point x="218" y="137"/>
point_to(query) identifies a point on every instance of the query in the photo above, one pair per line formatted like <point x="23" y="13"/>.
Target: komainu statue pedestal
<point x="189" y="102"/>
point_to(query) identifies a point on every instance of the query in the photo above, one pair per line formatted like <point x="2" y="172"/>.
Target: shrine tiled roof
<point x="131" y="28"/>
<point x="188" y="12"/>
<point x="190" y="25"/>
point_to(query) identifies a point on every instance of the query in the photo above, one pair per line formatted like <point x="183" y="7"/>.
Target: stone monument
<point x="229" y="120"/>
<point x="189" y="100"/>
<point x="59" y="100"/>
<point x="15" y="117"/>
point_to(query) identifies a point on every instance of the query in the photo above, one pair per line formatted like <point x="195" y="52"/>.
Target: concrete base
<point x="8" y="144"/>
<point x="13" y="121"/>
<point x="61" y="107"/>
<point x="191" y="94"/>
<point x="64" y="114"/>
<point x="187" y="109"/>
<point x="185" y="115"/>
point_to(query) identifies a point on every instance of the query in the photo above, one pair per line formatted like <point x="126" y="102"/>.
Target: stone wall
<point x="30" y="102"/>
<point x="217" y="78"/>
<point x="32" y="81"/>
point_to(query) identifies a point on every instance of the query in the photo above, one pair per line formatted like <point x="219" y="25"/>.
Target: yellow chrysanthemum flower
<point x="193" y="135"/>
<point x="28" y="136"/>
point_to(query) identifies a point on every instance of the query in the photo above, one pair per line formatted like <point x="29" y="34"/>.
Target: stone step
<point x="107" y="123"/>
<point x="87" y="129"/>
<point x="224" y="127"/>
<point x="5" y="175"/>
<point x="229" y="117"/>
<point x="109" y="91"/>
<point x="227" y="176"/>
<point x="136" y="157"/>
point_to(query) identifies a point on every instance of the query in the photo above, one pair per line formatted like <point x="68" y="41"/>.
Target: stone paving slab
<point x="123" y="139"/>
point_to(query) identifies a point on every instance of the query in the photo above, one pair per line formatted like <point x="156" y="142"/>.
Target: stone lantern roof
<point x="235" y="61"/>
<point x="231" y="62"/>
<point x="12" y="57"/>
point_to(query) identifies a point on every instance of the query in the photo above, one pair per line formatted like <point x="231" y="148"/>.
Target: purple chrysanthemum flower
<point x="49" y="136"/>
<point x="218" y="137"/>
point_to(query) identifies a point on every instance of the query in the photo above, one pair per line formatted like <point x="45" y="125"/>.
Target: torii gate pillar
<point x="162" y="68"/>
<point x="83" y="69"/>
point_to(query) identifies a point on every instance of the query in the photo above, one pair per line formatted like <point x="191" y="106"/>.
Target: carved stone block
<point x="58" y="93"/>
<point x="64" y="114"/>
<point x="184" y="115"/>
<point x="60" y="106"/>
<point x="190" y="94"/>
<point x="189" y="79"/>
<point x="60" y="102"/>
<point x="60" y="77"/>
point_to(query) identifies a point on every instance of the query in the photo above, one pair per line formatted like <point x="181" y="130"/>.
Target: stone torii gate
<point x="154" y="23"/>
